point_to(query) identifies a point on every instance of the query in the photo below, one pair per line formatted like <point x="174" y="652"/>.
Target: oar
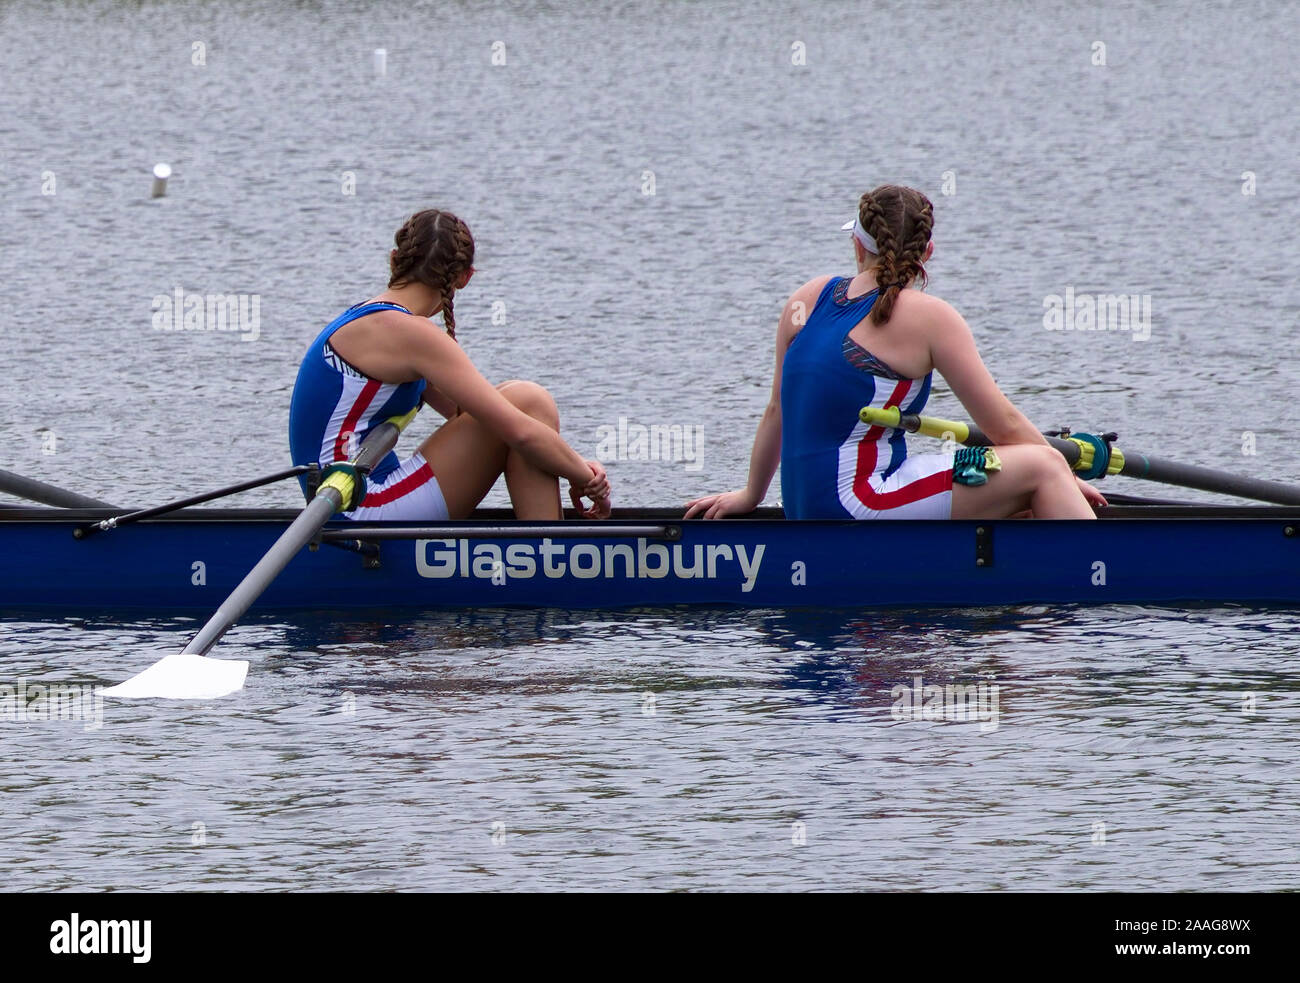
<point x="190" y="675"/>
<point x="39" y="491"/>
<point x="1094" y="456"/>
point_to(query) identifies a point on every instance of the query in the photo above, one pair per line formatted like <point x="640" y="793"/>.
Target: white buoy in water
<point x="381" y="61"/>
<point x="161" y="172"/>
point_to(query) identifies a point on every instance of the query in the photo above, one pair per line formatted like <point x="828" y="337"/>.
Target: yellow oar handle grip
<point x="929" y="426"/>
<point x="400" y="422"/>
<point x="887" y="417"/>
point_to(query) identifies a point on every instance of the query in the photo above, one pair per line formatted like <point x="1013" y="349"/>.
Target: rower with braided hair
<point x="383" y="357"/>
<point x="867" y="340"/>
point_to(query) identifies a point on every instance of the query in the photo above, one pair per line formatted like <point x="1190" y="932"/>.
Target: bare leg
<point x="534" y="493"/>
<point x="467" y="459"/>
<point x="1033" y="477"/>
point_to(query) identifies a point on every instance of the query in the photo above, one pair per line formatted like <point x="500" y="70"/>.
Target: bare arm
<point x="765" y="458"/>
<point x="953" y="351"/>
<point x="448" y="370"/>
<point x="440" y="403"/>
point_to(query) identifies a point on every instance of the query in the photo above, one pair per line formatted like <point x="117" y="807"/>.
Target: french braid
<point x="434" y="248"/>
<point x="900" y="220"/>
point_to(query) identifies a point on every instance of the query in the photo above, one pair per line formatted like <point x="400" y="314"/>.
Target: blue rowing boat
<point x="190" y="560"/>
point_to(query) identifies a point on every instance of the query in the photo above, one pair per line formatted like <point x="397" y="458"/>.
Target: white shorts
<point x="408" y="493"/>
<point x="921" y="488"/>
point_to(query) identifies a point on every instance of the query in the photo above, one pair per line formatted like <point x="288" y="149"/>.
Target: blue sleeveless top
<point x="826" y="379"/>
<point x="335" y="405"/>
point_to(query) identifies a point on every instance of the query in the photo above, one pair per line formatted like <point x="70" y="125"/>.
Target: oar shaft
<point x="331" y="497"/>
<point x="1135" y="465"/>
<point x="300" y="532"/>
<point x="1128" y="463"/>
<point x="39" y="491"/>
<point x="1207" y="479"/>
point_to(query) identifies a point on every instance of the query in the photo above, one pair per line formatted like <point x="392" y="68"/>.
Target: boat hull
<point x="191" y="561"/>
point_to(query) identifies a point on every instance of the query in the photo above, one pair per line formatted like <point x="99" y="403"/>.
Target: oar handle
<point x="1077" y="452"/>
<point x="927" y="426"/>
<point x="347" y="481"/>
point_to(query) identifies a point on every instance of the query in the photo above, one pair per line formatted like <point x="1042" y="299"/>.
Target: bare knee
<point x="532" y="399"/>
<point x="1049" y="465"/>
<point x="1034" y="465"/>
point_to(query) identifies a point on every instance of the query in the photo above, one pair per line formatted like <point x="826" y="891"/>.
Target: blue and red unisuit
<point x="335" y="405"/>
<point x="834" y="466"/>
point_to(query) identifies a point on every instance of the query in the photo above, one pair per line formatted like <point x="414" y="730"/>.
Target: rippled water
<point x="371" y="756"/>
<point x="666" y="749"/>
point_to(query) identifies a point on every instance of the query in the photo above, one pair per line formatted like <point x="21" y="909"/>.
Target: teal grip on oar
<point x="1100" y="456"/>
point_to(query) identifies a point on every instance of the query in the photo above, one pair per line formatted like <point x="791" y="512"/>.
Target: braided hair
<point x="900" y="220"/>
<point x="434" y="248"/>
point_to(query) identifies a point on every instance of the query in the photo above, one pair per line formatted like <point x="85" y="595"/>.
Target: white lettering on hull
<point x="440" y="559"/>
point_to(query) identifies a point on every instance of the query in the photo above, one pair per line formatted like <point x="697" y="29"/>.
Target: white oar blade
<point x="184" y="677"/>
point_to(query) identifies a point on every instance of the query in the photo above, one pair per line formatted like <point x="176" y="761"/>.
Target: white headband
<point x="859" y="233"/>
